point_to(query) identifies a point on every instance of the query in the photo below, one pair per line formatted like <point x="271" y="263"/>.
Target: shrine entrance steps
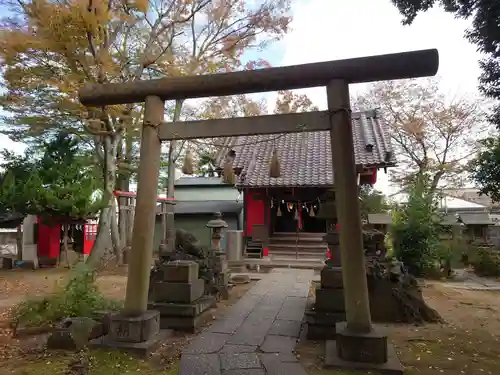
<point x="258" y="335"/>
<point x="302" y="245"/>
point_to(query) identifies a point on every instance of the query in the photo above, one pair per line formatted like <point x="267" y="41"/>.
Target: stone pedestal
<point x="222" y="274"/>
<point x="139" y="335"/>
<point x="329" y="306"/>
<point x="332" y="239"/>
<point x="356" y="351"/>
<point x="179" y="297"/>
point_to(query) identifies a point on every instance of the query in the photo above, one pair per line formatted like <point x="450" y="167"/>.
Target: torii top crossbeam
<point x="358" y="70"/>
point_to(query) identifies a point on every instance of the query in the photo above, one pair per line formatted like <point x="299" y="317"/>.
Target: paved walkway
<point x="258" y="334"/>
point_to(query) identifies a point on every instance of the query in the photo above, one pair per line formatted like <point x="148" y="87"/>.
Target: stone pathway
<point x="467" y="280"/>
<point x="258" y="334"/>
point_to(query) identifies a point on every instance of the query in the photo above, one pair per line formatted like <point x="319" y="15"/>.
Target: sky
<point x="335" y="29"/>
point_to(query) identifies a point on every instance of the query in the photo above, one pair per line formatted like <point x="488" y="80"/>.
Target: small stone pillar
<point x="217" y="259"/>
<point x="179" y="297"/>
<point x="329" y="307"/>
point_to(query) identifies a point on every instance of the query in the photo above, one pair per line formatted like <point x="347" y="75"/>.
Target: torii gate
<point x="336" y="76"/>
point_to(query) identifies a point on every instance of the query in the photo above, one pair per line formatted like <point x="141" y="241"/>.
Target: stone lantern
<point x="217" y="259"/>
<point x="216" y="225"/>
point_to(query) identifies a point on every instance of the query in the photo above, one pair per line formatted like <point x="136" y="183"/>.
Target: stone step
<point x="300" y="234"/>
<point x="305" y="247"/>
<point x="297" y="255"/>
<point x="303" y="259"/>
<point x="293" y="240"/>
<point x="273" y="249"/>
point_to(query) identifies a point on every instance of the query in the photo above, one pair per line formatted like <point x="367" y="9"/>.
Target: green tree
<point x="68" y="181"/>
<point x="415" y="229"/>
<point x="55" y="181"/>
<point x="485" y="168"/>
<point x="484" y="33"/>
<point x="372" y="201"/>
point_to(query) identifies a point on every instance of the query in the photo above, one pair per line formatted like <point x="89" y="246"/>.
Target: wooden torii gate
<point x="335" y="76"/>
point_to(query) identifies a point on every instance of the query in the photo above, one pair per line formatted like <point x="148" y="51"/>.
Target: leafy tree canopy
<point x="53" y="181"/>
<point x="485" y="169"/>
<point x="484" y="33"/>
<point x="372" y="201"/>
<point x="415" y="229"/>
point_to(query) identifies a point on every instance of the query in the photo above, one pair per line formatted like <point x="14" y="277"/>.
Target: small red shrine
<point x="280" y="213"/>
<point x="48" y="235"/>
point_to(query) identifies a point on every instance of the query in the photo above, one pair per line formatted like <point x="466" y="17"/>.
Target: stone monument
<point x="136" y="334"/>
<point x="180" y="297"/>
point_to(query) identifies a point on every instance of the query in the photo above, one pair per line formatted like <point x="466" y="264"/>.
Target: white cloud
<point x="336" y="29"/>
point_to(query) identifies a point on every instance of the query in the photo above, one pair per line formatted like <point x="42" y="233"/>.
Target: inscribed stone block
<point x="134" y="328"/>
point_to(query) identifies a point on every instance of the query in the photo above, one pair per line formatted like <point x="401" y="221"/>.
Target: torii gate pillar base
<point x="137" y="335"/>
<point x="362" y="352"/>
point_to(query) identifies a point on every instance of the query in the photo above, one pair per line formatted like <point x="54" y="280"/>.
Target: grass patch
<point x="78" y="297"/>
<point x="94" y="362"/>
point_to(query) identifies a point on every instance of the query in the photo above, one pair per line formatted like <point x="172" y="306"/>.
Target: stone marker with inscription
<point x="139" y="335"/>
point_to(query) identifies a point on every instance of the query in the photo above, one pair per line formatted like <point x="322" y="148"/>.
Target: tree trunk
<point x="435" y="181"/>
<point x="102" y="242"/>
<point x="123" y="184"/>
<point x="115" y="235"/>
<point x="19" y="242"/>
<point x="125" y="222"/>
<point x="170" y="223"/>
<point x="103" y="239"/>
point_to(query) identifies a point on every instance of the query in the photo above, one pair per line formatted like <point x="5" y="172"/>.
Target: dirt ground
<point x="467" y="344"/>
<point x="25" y="356"/>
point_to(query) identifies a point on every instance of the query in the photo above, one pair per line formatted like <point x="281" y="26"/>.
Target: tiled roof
<point x="305" y="157"/>
<point x="470" y="195"/>
<point x="476" y="219"/>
